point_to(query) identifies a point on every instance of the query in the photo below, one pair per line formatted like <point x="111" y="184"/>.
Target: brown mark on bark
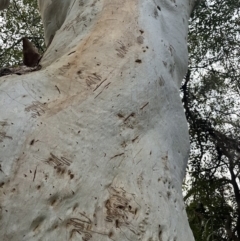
<point x="139" y="61"/>
<point x="122" y="50"/>
<point x="36" y="223"/>
<point x="120" y="115"/>
<point x="133" y="140"/>
<point x="121" y="209"/>
<point x="57" y="162"/>
<point x="82" y="226"/>
<point x="3" y="135"/>
<point x="37" y="109"/>
<point x="93" y="79"/>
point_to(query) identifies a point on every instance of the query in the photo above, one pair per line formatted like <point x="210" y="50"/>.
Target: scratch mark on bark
<point x="34" y="175"/>
<point x="4" y="135"/>
<point x="99" y="85"/>
<point x="58" y="89"/>
<point x="137" y="154"/>
<point x="117" y="155"/>
<point x="1" y="169"/>
<point x="132" y="114"/>
<point x="139" y="162"/>
<point x="144" y="106"/>
<point x="102" y="90"/>
<point x="72" y="52"/>
<point x="133" y="140"/>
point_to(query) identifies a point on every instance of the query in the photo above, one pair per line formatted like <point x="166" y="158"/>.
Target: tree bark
<point x="94" y="146"/>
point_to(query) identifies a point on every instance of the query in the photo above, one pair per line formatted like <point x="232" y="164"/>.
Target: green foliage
<point x="21" y="19"/>
<point x="211" y="99"/>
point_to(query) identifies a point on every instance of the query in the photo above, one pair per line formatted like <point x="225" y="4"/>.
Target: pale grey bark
<point x="53" y="14"/>
<point x="95" y="145"/>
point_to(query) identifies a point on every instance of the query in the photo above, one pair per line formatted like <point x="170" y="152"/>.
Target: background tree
<point x="211" y="100"/>
<point x="22" y="19"/>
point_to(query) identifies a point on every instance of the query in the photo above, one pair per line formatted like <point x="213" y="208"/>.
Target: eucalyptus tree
<point x="94" y="145"/>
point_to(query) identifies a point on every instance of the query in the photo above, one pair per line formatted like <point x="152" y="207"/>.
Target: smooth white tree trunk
<point x="94" y="146"/>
